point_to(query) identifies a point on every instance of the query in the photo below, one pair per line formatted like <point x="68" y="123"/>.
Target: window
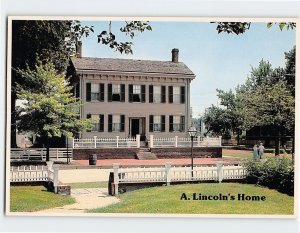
<point x="176" y="123"/>
<point x="94" y="92"/>
<point x="98" y="124"/>
<point x="156" y="94"/>
<point x="137" y="93"/>
<point x="116" y="92"/>
<point x="157" y="123"/>
<point x="176" y="95"/>
<point x="116" y="123"/>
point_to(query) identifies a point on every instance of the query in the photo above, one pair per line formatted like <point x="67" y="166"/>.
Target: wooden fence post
<point x="220" y="171"/>
<point x="168" y="175"/>
<point x="220" y="140"/>
<point x="116" y="177"/>
<point x="138" y="140"/>
<point x="176" y="141"/>
<point x="151" y="141"/>
<point x="55" y="178"/>
<point x="73" y="142"/>
<point x="117" y="139"/>
<point x="95" y="141"/>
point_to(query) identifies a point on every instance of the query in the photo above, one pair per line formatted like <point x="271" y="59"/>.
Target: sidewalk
<point x="183" y="161"/>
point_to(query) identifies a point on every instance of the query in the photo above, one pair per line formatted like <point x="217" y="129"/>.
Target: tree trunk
<point x="277" y="145"/>
<point x="47" y="149"/>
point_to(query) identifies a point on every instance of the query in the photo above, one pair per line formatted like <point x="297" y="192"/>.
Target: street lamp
<point x="192" y="132"/>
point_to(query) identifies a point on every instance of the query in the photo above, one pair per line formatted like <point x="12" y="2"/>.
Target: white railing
<point x="35" y="173"/>
<point x="116" y="142"/>
<point x="20" y="154"/>
<point x="170" y="174"/>
<point x="28" y="173"/>
<point x="185" y="142"/>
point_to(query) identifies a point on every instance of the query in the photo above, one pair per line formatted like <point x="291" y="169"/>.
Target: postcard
<point x="158" y="117"/>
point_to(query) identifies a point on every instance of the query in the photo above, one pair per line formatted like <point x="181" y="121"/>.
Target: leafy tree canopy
<point x="50" y="109"/>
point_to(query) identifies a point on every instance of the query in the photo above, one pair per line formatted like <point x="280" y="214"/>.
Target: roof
<point x="130" y="65"/>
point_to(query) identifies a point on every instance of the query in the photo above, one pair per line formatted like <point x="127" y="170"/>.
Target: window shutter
<point x="88" y="116"/>
<point x="151" y="123"/>
<point x="170" y="94"/>
<point x="130" y="93"/>
<point x="182" y="122"/>
<point x="182" y="94"/>
<point x="143" y="90"/>
<point x="171" y="123"/>
<point x="150" y="93"/>
<point x="163" y="94"/>
<point x="101" y="88"/>
<point x="88" y="92"/>
<point x="163" y="123"/>
<point x="77" y="90"/>
<point x="109" y="92"/>
<point x="101" y="123"/>
<point x="109" y="123"/>
<point x="122" y="123"/>
<point x="122" y="92"/>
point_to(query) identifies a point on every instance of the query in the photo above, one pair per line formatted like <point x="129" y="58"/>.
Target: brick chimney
<point x="175" y="54"/>
<point x="79" y="49"/>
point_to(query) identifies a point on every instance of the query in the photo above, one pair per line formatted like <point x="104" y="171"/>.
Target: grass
<point x="166" y="200"/>
<point x="247" y="154"/>
<point x="102" y="184"/>
<point x="34" y="198"/>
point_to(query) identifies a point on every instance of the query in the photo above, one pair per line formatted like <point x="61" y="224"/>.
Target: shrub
<point x="275" y="173"/>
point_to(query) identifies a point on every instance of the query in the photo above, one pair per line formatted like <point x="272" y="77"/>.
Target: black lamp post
<point x="192" y="132"/>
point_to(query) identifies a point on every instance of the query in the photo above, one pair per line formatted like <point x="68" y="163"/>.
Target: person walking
<point x="261" y="150"/>
<point x="255" y="152"/>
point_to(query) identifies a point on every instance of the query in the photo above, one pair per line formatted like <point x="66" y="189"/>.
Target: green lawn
<point x="102" y="184"/>
<point x="247" y="154"/>
<point x="166" y="200"/>
<point x="34" y="198"/>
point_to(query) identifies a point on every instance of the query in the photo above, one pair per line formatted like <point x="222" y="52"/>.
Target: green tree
<point x="241" y="27"/>
<point x="50" y="109"/>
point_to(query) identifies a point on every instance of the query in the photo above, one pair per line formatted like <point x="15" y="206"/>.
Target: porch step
<point x="145" y="154"/>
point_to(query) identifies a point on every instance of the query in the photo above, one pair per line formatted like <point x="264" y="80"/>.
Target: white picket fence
<point x="35" y="173"/>
<point x="21" y="154"/>
<point x="185" y="142"/>
<point x="170" y="174"/>
<point x="116" y="142"/>
<point x="28" y="173"/>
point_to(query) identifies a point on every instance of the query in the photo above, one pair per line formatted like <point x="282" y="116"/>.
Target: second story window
<point x="137" y="93"/>
<point x="177" y="95"/>
<point x="157" y="94"/>
<point x="94" y="92"/>
<point x="116" y="92"/>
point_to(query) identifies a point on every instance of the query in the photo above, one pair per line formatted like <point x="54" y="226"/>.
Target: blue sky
<point x="220" y="61"/>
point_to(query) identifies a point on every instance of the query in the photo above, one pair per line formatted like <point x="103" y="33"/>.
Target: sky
<point x="219" y="61"/>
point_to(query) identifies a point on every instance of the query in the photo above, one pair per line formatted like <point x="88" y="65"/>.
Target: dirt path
<point x="85" y="199"/>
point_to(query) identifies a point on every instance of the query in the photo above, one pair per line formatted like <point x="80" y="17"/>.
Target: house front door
<point x="137" y="126"/>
